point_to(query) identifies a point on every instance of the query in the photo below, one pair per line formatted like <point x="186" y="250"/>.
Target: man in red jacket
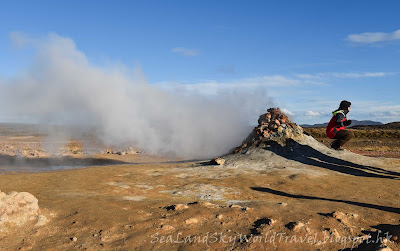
<point x="336" y="128"/>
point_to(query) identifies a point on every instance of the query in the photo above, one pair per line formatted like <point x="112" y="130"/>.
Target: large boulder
<point x="17" y="209"/>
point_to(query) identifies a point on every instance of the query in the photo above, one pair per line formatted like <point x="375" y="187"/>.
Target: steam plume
<point x="61" y="86"/>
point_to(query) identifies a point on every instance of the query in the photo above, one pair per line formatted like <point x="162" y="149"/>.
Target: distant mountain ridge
<point x="354" y="123"/>
<point x="388" y="126"/>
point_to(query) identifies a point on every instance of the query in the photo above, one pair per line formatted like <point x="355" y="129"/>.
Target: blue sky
<point x="307" y="55"/>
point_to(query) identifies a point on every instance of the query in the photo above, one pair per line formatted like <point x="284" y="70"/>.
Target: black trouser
<point x="342" y="137"/>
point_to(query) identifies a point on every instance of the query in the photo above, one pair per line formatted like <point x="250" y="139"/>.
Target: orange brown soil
<point x="198" y="206"/>
<point x="125" y="207"/>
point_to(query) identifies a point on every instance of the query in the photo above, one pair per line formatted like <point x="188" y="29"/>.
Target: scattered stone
<point x="108" y="151"/>
<point x="239" y="206"/>
<point x="202" y="191"/>
<point x="41" y="221"/>
<point x="333" y="232"/>
<point x="180" y="207"/>
<point x="167" y="227"/>
<point x="130" y="150"/>
<point x="383" y="247"/>
<point x="259" y="225"/>
<point x="235" y="206"/>
<point x="344" y="218"/>
<point x="192" y="221"/>
<point x="74" y="239"/>
<point x="177" y="207"/>
<point x="209" y="204"/>
<point x="219" y="216"/>
<point x="283" y="204"/>
<point x="219" y="161"/>
<point x="111" y="235"/>
<point x="295" y="226"/>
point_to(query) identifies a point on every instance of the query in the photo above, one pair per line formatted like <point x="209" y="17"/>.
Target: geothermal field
<point x="277" y="189"/>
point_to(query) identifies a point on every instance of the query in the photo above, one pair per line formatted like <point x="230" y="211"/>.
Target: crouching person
<point x="336" y="128"/>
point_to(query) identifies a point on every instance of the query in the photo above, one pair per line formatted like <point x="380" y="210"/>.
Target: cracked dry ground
<point x="195" y="206"/>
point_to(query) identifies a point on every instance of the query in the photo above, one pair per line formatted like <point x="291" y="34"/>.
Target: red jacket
<point x="336" y="123"/>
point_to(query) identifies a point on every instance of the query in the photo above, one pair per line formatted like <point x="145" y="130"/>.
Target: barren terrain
<point x="377" y="141"/>
<point x="300" y="196"/>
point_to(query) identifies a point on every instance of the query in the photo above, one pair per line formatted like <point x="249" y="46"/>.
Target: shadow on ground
<point x="299" y="196"/>
<point x="309" y="156"/>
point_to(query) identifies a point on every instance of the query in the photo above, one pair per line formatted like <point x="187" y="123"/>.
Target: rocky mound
<point x="272" y="126"/>
<point x="277" y="142"/>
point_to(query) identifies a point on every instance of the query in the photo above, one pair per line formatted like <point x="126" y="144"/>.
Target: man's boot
<point x="335" y="145"/>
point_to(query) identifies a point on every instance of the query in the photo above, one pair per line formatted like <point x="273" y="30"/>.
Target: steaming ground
<point x="62" y="87"/>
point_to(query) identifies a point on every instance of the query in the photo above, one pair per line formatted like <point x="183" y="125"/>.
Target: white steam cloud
<point x="62" y="87"/>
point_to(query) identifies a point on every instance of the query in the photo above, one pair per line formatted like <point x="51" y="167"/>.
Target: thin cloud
<point x="375" y="110"/>
<point x="272" y="81"/>
<point x="213" y="87"/>
<point x="360" y="75"/>
<point x="185" y="51"/>
<point x="373" y="37"/>
<point x="312" y="113"/>
<point x="386" y="115"/>
<point x="343" y="75"/>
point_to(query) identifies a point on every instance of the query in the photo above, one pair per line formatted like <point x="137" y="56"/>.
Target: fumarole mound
<point x="272" y="126"/>
<point x="277" y="141"/>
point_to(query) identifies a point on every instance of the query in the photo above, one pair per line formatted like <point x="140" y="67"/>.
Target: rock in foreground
<point x="17" y="209"/>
